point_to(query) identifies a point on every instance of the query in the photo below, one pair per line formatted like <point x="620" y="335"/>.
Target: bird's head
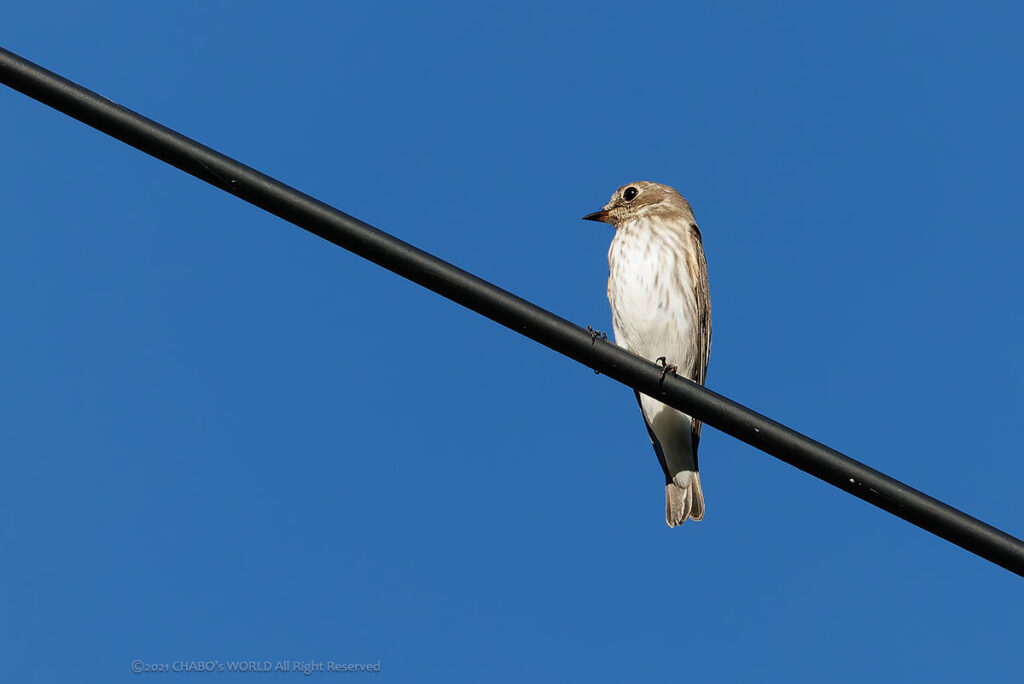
<point x="642" y="199"/>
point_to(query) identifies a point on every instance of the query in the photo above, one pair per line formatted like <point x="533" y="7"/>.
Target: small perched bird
<point x="661" y="310"/>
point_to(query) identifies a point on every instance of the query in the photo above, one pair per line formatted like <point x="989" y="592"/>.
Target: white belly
<point x="653" y="315"/>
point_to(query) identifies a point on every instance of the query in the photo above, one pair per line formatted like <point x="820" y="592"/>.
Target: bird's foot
<point x="666" y="368"/>
<point x="594" y="334"/>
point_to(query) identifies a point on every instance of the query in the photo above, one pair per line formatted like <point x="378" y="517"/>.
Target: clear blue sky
<point x="225" y="439"/>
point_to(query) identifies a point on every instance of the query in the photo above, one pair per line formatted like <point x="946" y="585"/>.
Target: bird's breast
<point x="651" y="294"/>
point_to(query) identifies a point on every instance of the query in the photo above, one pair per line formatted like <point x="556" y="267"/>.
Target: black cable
<point x="511" y="311"/>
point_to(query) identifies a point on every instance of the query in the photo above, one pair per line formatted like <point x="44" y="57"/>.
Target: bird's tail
<point x="684" y="498"/>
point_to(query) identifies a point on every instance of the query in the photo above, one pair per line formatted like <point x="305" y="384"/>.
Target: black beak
<point x="601" y="216"/>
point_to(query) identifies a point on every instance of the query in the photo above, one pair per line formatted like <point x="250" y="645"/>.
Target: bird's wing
<point x="655" y="442"/>
<point x="703" y="296"/>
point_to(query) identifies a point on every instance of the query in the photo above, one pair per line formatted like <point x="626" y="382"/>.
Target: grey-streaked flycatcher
<point x="661" y="310"/>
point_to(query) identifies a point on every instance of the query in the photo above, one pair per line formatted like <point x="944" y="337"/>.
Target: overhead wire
<point x="512" y="311"/>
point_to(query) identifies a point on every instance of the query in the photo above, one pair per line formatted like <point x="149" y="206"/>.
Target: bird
<point x="661" y="310"/>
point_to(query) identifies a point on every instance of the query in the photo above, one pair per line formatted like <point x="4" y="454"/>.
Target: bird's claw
<point x="666" y="368"/>
<point x="594" y="334"/>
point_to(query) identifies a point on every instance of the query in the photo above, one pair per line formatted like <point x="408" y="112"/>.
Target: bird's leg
<point x="594" y="334"/>
<point x="666" y="368"/>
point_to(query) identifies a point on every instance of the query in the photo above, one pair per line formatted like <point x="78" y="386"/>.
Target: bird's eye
<point x="630" y="193"/>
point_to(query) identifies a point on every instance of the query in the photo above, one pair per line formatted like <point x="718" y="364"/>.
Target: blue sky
<point x="224" y="439"/>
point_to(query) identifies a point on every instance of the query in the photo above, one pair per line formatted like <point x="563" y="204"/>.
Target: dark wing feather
<point x="703" y="295"/>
